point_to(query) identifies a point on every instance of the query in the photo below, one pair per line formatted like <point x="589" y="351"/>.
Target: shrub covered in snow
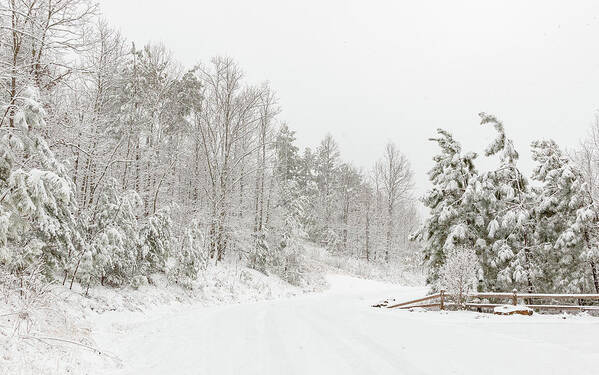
<point x="37" y="204"/>
<point x="458" y="273"/>
<point x="189" y="258"/>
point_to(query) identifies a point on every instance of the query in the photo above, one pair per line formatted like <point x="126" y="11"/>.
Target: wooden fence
<point x="443" y="300"/>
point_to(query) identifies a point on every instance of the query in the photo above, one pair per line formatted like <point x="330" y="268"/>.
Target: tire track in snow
<point x="272" y="327"/>
<point x="357" y="344"/>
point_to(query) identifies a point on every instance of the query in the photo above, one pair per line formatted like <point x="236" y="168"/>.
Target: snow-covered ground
<point x="53" y="333"/>
<point x="337" y="332"/>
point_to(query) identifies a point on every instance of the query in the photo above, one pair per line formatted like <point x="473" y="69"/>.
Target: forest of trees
<point x="537" y="234"/>
<point x="117" y="162"/>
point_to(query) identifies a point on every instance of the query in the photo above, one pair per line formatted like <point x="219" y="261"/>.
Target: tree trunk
<point x="591" y="262"/>
<point x="345" y="220"/>
<point x="126" y="163"/>
<point x="389" y="232"/>
<point x="527" y="265"/>
<point x="595" y="276"/>
<point x="367" y="233"/>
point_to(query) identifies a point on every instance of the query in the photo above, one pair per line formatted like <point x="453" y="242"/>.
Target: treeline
<point x="118" y="162"/>
<point x="536" y="234"/>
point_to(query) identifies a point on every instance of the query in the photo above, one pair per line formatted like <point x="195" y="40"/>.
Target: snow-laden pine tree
<point x="156" y="242"/>
<point x="290" y="250"/>
<point x="504" y="200"/>
<point x="287" y="254"/>
<point x="450" y="222"/>
<point x="37" y="204"/>
<point x="288" y="163"/>
<point x="113" y="235"/>
<point x="189" y="257"/>
<point x="326" y="168"/>
<point x="566" y="222"/>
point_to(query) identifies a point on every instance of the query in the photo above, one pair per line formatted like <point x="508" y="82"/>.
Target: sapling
<point x="458" y="273"/>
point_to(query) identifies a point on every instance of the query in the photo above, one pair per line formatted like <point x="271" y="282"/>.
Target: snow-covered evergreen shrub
<point x="292" y="262"/>
<point x="189" y="257"/>
<point x="138" y="281"/>
<point x="332" y="241"/>
<point x="37" y="204"/>
<point x="458" y="275"/>
<point x="260" y="257"/>
<point x="156" y="241"/>
<point x="113" y="234"/>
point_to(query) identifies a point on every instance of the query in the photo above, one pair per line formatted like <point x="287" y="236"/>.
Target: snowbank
<point x="32" y="329"/>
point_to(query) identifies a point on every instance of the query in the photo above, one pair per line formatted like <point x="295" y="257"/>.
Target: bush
<point x="139" y="281"/>
<point x="458" y="274"/>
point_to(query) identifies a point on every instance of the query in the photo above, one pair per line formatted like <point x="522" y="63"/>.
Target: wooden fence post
<point x="515" y="297"/>
<point x="442" y="299"/>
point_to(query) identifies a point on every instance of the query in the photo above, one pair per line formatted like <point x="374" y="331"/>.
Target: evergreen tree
<point x="505" y="200"/>
<point x="287" y="158"/>
<point x="113" y="232"/>
<point x="189" y="258"/>
<point x="567" y="221"/>
<point x="291" y="249"/>
<point x="155" y="242"/>
<point x="450" y="223"/>
<point x="309" y="189"/>
<point x="37" y="204"/>
<point x="326" y="167"/>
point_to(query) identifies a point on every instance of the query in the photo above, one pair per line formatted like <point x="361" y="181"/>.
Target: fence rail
<point x="514" y="296"/>
<point x="432" y="296"/>
<point x="534" y="295"/>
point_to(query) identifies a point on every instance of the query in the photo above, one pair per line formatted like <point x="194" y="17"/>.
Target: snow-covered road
<point x="337" y="332"/>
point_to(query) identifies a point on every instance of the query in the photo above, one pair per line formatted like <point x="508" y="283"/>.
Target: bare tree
<point x="396" y="181"/>
<point x="228" y="114"/>
<point x="36" y="37"/>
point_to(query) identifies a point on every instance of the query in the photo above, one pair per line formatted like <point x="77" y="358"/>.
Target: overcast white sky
<point x="373" y="71"/>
